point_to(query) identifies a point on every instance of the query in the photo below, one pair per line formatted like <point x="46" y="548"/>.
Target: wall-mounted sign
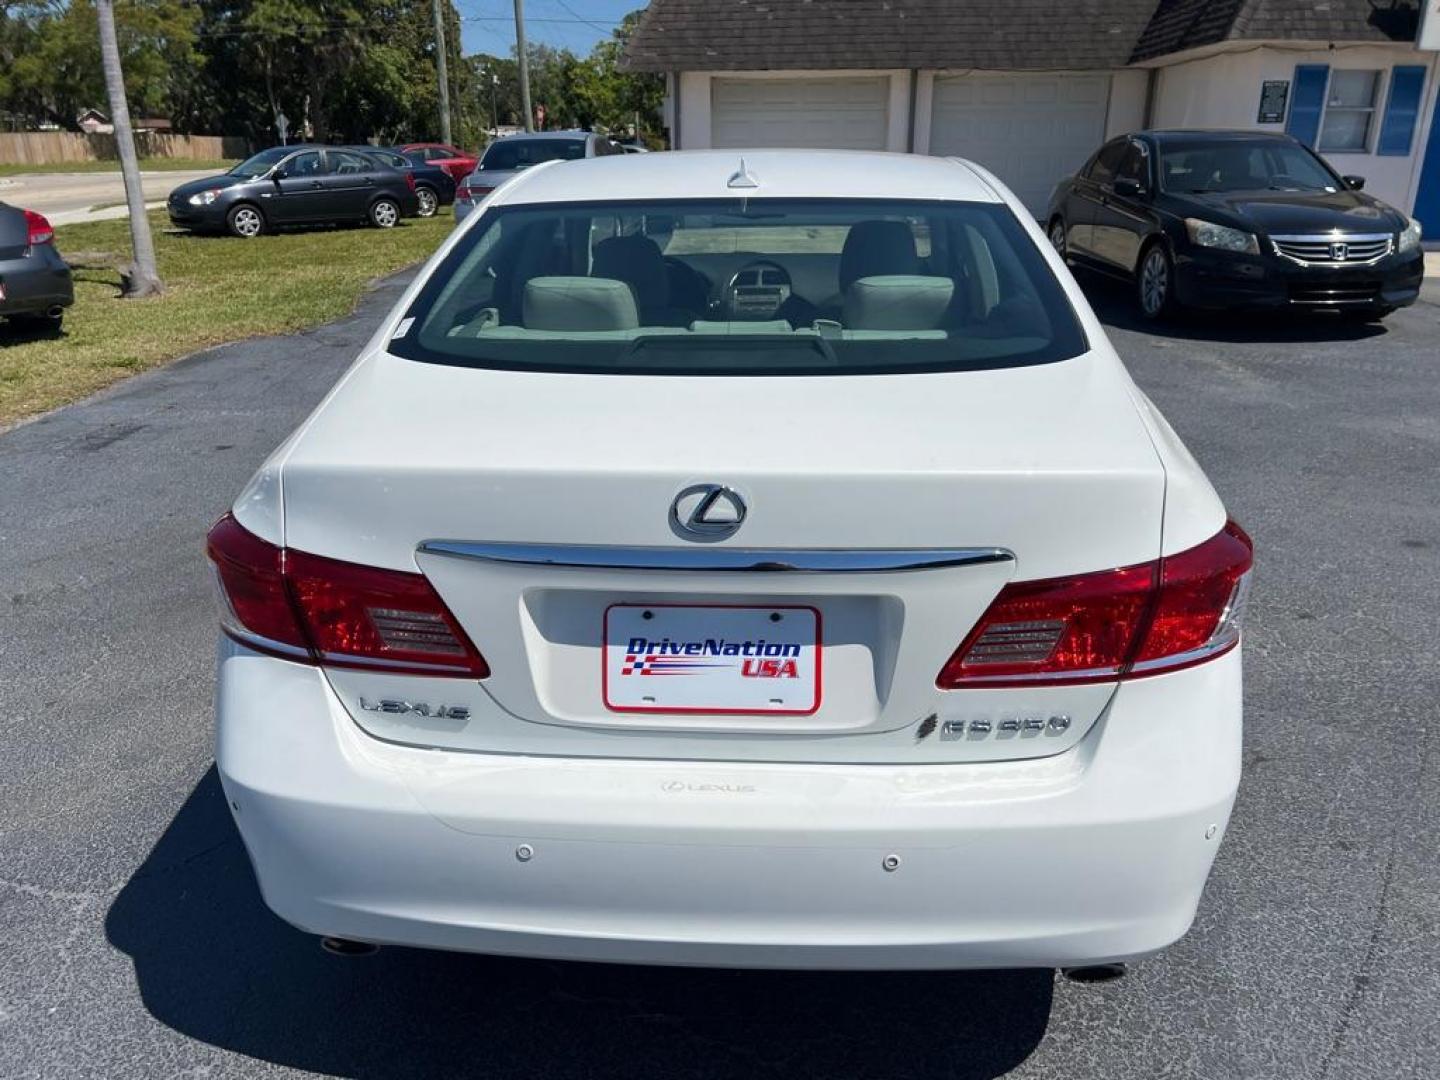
<point x="1274" y="94"/>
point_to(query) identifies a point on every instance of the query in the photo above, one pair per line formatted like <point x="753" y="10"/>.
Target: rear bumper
<point x="1207" y="279"/>
<point x="36" y="283"/>
<point x="1096" y="854"/>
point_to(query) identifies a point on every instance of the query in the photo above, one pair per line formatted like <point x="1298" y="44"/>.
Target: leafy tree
<point x="341" y="70"/>
<point x="50" y="69"/>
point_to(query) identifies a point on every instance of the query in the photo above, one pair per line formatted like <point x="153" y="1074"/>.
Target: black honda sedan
<point x="1235" y="219"/>
<point x="295" y="185"/>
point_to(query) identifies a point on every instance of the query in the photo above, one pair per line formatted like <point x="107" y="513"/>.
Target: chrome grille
<point x="1334" y="249"/>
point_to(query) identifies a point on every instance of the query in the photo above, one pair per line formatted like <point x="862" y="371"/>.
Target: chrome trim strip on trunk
<point x="778" y="560"/>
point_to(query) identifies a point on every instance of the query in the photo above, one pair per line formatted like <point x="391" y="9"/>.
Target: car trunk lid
<point x="14" y="233"/>
<point x="539" y="505"/>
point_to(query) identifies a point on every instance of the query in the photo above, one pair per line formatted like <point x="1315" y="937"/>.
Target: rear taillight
<point x="1200" y="604"/>
<point x="1113" y="624"/>
<point x="39" y="228"/>
<point x="410" y="179"/>
<point x="317" y="610"/>
<point x="255" y="606"/>
<point x="462" y="192"/>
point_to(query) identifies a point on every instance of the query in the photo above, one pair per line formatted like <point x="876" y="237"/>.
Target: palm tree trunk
<point x="143" y="279"/>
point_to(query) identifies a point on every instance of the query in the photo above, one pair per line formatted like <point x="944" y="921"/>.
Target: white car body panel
<point x="1093" y="855"/>
<point x="612" y="451"/>
<point x="747" y="840"/>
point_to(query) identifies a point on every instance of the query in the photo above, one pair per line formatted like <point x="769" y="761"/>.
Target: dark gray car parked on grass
<point x="295" y="185"/>
<point x="35" y="285"/>
<point x="434" y="187"/>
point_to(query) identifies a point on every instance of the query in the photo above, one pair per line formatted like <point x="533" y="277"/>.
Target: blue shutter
<point x="1402" y="111"/>
<point x="1307" y="102"/>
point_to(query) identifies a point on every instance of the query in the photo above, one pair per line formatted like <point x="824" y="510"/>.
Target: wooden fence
<point x="62" y="147"/>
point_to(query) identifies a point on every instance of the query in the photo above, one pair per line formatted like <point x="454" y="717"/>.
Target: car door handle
<point x="316" y="184"/>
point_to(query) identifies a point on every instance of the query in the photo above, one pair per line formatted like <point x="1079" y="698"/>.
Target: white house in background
<point x="94" y="122"/>
<point x="1030" y="88"/>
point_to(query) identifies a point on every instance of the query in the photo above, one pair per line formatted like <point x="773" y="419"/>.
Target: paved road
<point x="65" y="198"/>
<point x="133" y="943"/>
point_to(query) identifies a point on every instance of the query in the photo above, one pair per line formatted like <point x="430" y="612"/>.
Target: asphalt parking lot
<point x="133" y="941"/>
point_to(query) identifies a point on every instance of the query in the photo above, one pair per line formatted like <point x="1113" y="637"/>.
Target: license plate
<point x="671" y="658"/>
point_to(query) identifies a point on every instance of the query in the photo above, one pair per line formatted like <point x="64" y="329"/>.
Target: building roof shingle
<point x="750" y="35"/>
<point x="1188" y="24"/>
<point x="1003" y="35"/>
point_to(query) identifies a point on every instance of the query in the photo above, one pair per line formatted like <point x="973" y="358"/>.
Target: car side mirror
<point x="1354" y="183"/>
<point x="1128" y="189"/>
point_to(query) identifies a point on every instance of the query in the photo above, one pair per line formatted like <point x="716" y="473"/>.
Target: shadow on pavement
<point x="213" y="963"/>
<point x="1114" y="304"/>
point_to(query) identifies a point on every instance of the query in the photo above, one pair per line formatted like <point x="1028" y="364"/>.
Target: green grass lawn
<point x="146" y="165"/>
<point x="217" y="289"/>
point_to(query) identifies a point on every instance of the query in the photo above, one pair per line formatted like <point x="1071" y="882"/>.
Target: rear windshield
<point x="522" y="153"/>
<point x="743" y="287"/>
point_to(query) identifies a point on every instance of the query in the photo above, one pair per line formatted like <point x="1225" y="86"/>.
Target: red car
<point x="455" y="162"/>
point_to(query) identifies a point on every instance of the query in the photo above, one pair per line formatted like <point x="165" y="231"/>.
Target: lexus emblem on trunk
<point x="707" y="512"/>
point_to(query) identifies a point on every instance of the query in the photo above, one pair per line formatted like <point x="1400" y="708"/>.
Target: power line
<point x="588" y="22"/>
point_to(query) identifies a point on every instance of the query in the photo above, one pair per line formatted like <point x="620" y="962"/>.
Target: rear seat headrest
<point x="579" y="304"/>
<point x="877" y="247"/>
<point x="896" y="302"/>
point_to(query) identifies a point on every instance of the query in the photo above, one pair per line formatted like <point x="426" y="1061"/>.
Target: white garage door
<point x="1029" y="130"/>
<point x="837" y="114"/>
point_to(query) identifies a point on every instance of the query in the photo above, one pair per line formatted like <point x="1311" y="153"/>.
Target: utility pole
<point x="524" y="65"/>
<point x="440" y="74"/>
<point x="143" y="279"/>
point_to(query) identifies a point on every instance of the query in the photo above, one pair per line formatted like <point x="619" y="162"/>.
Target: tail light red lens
<point x="1113" y="624"/>
<point x="1200" y="604"/>
<point x="255" y="606"/>
<point x="462" y="192"/>
<point x="38" y="226"/>
<point x="410" y="179"/>
<point x="317" y="610"/>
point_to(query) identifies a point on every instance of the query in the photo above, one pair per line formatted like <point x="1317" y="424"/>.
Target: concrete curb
<point x="75" y="217"/>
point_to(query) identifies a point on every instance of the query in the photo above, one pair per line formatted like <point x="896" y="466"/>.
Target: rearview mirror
<point x="1354" y="183"/>
<point x="1128" y="189"/>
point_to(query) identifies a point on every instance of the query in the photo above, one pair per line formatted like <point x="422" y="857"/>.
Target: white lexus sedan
<point x="758" y="562"/>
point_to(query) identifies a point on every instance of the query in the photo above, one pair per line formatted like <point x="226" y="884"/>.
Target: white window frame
<point x="1372" y="110"/>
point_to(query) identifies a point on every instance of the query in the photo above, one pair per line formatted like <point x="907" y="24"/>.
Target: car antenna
<point x="742" y="178"/>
